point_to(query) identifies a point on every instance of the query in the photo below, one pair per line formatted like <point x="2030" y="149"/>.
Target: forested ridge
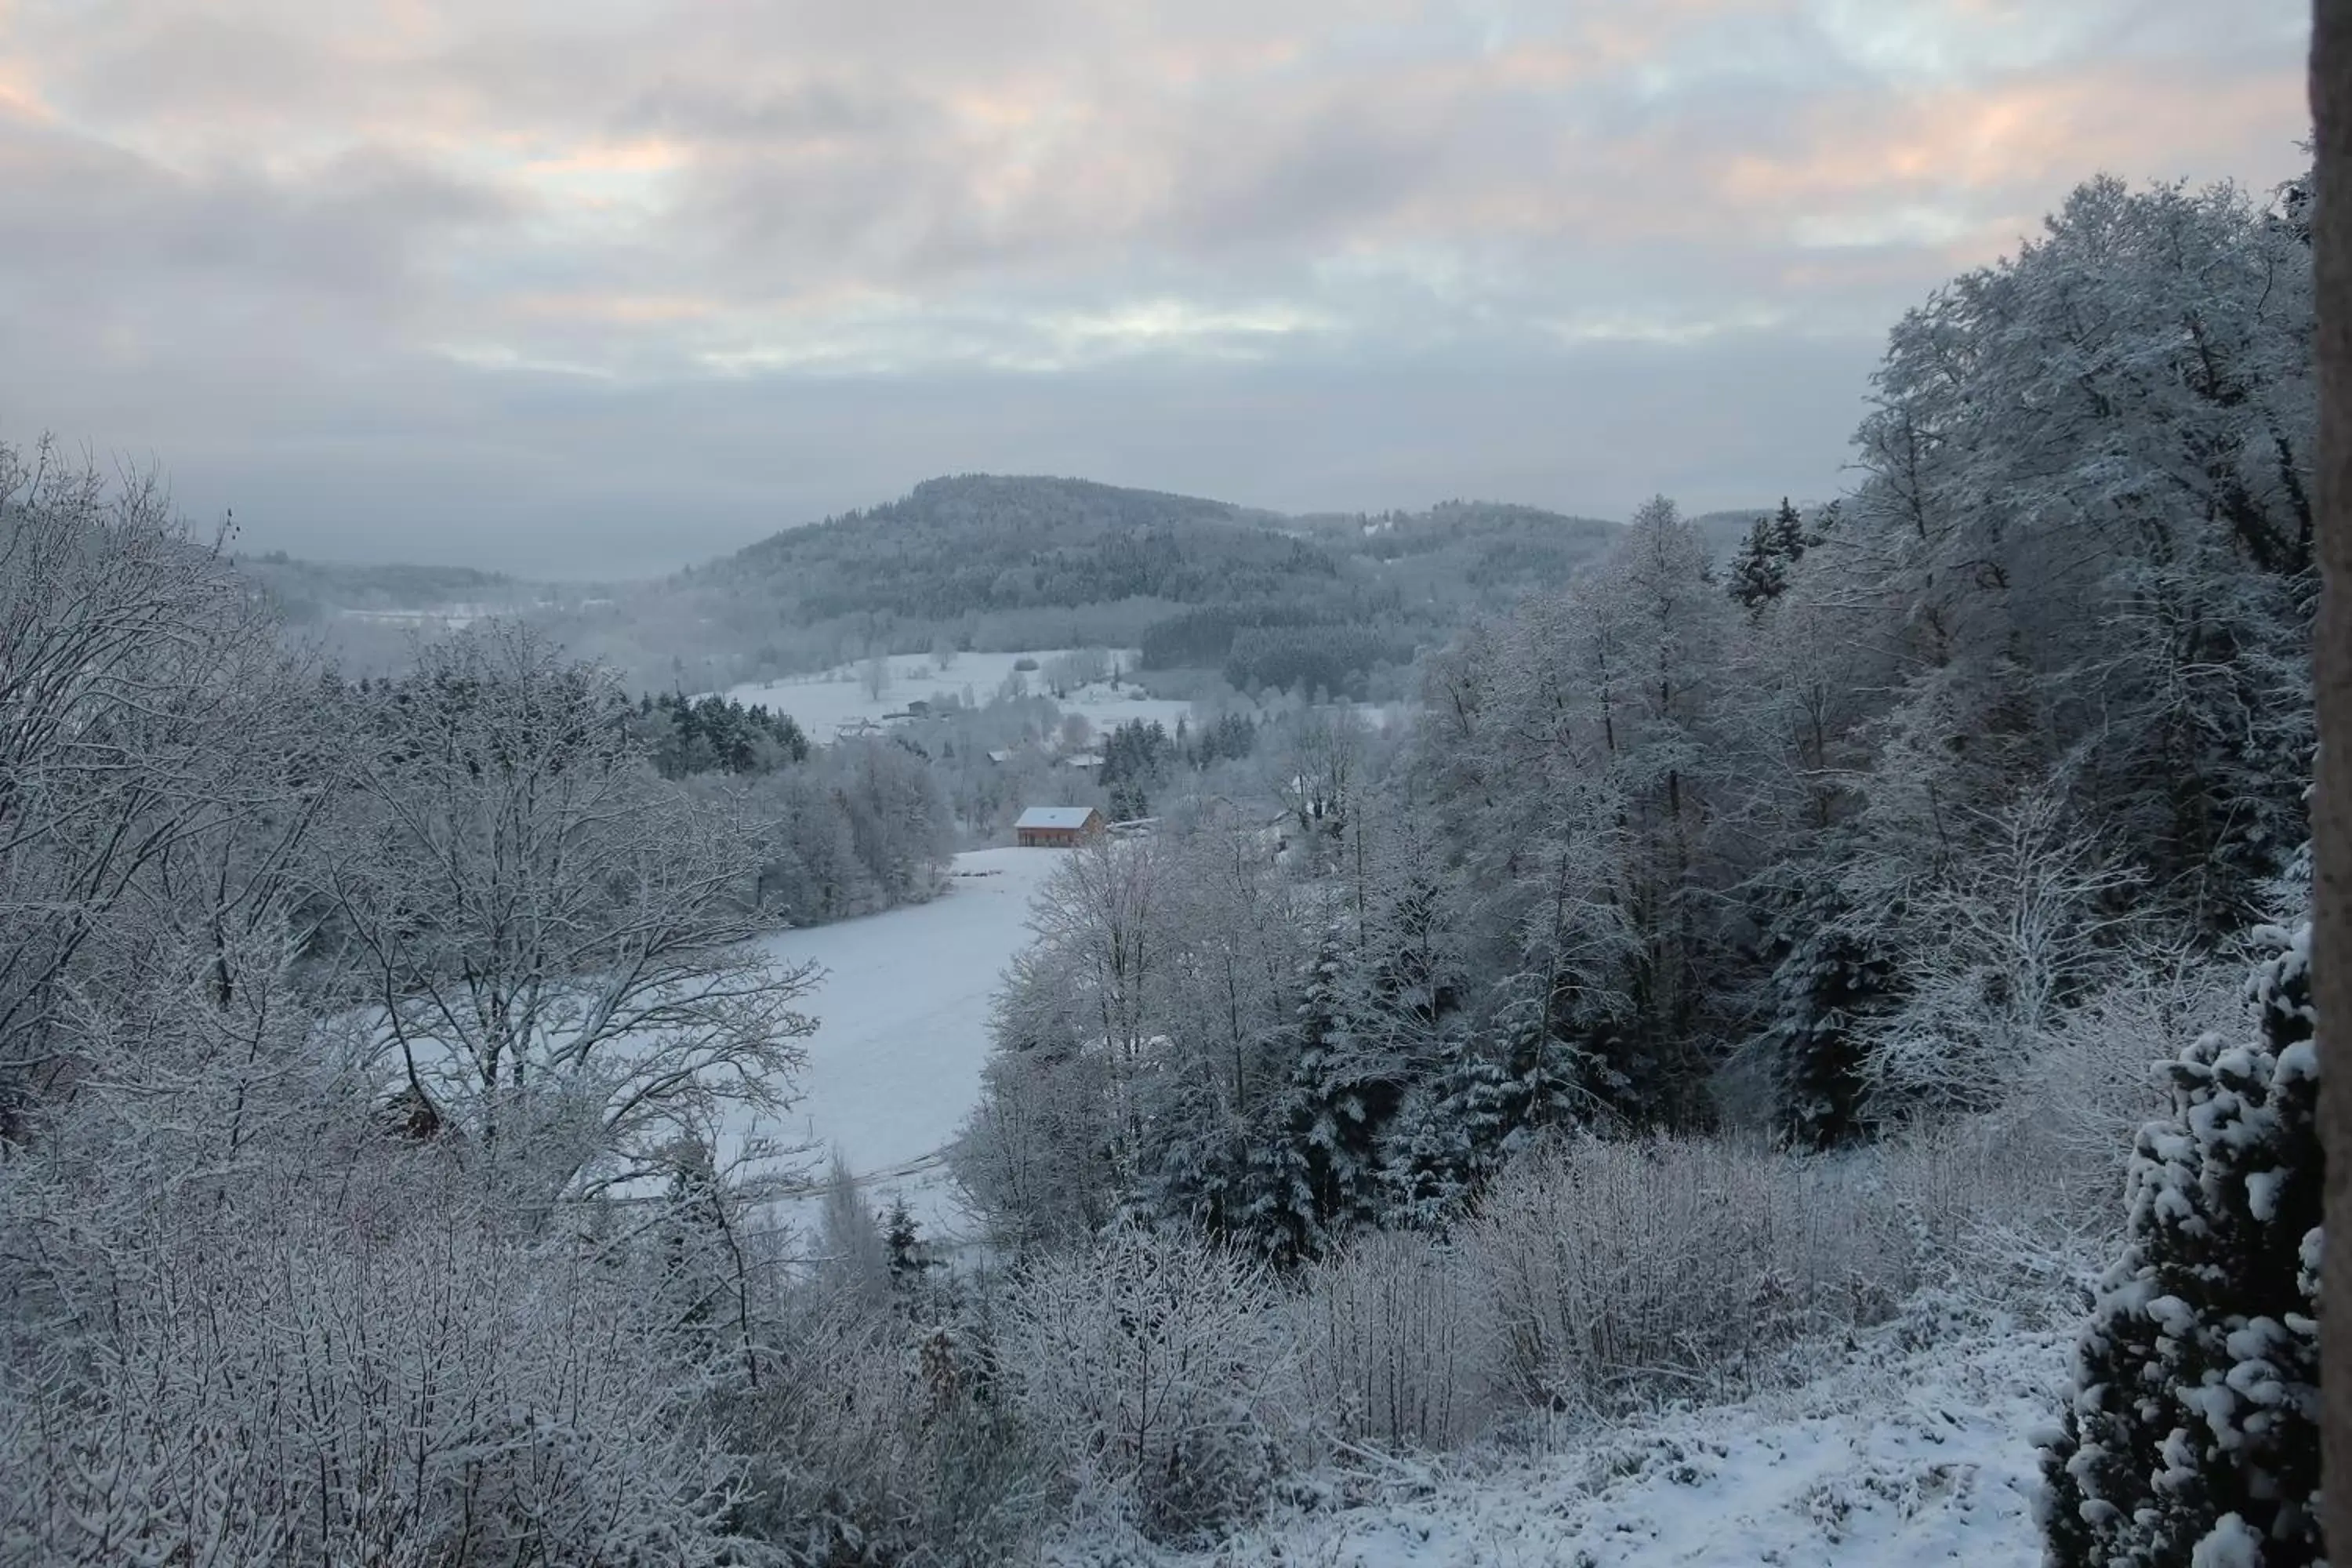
<point x="994" y="561"/>
<point x="978" y="543"/>
<point x="1734" y="959"/>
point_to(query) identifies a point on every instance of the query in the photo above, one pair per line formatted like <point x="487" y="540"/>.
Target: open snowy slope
<point x="902" y="1017"/>
<point x="1903" y="1457"/>
<point x="822" y="703"/>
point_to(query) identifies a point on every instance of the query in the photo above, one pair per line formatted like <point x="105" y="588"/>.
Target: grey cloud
<point x="1352" y="252"/>
<point x="357" y="221"/>
<point x="732" y="112"/>
<point x="555" y="478"/>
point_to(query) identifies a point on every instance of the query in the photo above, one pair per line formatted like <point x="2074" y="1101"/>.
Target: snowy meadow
<point x="827" y="702"/>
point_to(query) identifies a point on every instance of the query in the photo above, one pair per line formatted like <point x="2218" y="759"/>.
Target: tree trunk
<point x="2331" y="103"/>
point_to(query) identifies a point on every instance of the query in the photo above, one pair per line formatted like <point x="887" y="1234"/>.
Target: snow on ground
<point x="1899" y="1458"/>
<point x="902" y="1030"/>
<point x="822" y="703"/>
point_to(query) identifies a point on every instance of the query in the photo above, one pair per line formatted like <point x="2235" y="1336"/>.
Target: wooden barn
<point x="1055" y="827"/>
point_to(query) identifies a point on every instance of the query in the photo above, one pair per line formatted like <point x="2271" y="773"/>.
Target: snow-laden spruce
<point x="2193" y="1433"/>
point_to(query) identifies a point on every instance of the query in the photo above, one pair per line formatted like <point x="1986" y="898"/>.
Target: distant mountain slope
<point x="366" y="618"/>
<point x="1492" y="548"/>
<point x="1011" y="562"/>
<point x="980" y="543"/>
<point x="1006" y="562"/>
<point x="306" y="590"/>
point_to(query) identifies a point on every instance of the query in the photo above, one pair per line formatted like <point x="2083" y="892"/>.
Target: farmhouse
<point x="1055" y="827"/>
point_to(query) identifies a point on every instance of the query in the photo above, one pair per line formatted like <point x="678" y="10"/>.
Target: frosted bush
<point x="874" y="1435"/>
<point x="1628" y="1270"/>
<point x="1156" y="1371"/>
<point x="340" y="1365"/>
<point x="1397" y="1344"/>
<point x="1621" y="1272"/>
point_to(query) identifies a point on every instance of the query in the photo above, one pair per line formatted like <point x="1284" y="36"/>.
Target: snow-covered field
<point x="902" y="1028"/>
<point x="1900" y="1458"/>
<point x="822" y="703"/>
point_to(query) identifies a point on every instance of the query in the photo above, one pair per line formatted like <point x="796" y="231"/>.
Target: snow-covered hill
<point x="1918" y="1451"/>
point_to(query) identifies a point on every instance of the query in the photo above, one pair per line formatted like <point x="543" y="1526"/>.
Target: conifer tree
<point x="1759" y="571"/>
<point x="909" y="1261"/>
<point x="1789" y="535"/>
<point x="1759" y="574"/>
<point x="1450" y="1137"/>
<point x="1831" y="975"/>
<point x="1278" y="1215"/>
<point x="1200" y="1163"/>
<point x="1317" y="1167"/>
<point x="2192" y="1435"/>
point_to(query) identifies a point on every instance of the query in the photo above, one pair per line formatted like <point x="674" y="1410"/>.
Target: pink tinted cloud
<point x="937" y="151"/>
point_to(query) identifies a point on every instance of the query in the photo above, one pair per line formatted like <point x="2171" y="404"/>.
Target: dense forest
<point x="1751" y="944"/>
<point x="1932" y="814"/>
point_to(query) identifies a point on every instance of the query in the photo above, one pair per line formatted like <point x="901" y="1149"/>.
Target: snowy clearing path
<point x="902" y="1011"/>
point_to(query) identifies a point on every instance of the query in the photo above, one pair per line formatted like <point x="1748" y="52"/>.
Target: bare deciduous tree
<point x="1156" y="1371"/>
<point x="554" y="944"/>
<point x="122" y="640"/>
<point x="1998" y="943"/>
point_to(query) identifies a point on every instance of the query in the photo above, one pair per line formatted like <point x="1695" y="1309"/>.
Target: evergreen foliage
<point x="1833" y="974"/>
<point x="715" y="734"/>
<point x="1761" y="571"/>
<point x="1136" y="756"/>
<point x="2194" y="1426"/>
<point x="1449" y="1138"/>
<point x="1316" y="1168"/>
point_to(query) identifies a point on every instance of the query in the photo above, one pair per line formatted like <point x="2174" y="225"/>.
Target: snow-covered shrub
<point x="1624" y="1271"/>
<point x="1993" y="950"/>
<point x="1156" y="1371"/>
<point x="2098" y="1079"/>
<point x="336" y="1361"/>
<point x="2012" y="1208"/>
<point x="876" y="1434"/>
<point x="1397" y="1343"/>
<point x="2192" y="1433"/>
<point x="246" y="1316"/>
<point x="1996" y="1210"/>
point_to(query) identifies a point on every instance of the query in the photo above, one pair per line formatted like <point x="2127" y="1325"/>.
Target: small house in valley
<point x="1055" y="827"/>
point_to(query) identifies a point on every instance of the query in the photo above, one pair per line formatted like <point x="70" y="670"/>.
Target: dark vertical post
<point x="2331" y="106"/>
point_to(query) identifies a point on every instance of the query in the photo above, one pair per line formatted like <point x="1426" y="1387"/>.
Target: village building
<point x="1055" y="827"/>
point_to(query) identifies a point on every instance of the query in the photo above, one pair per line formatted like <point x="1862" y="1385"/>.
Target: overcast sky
<point x="591" y="287"/>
